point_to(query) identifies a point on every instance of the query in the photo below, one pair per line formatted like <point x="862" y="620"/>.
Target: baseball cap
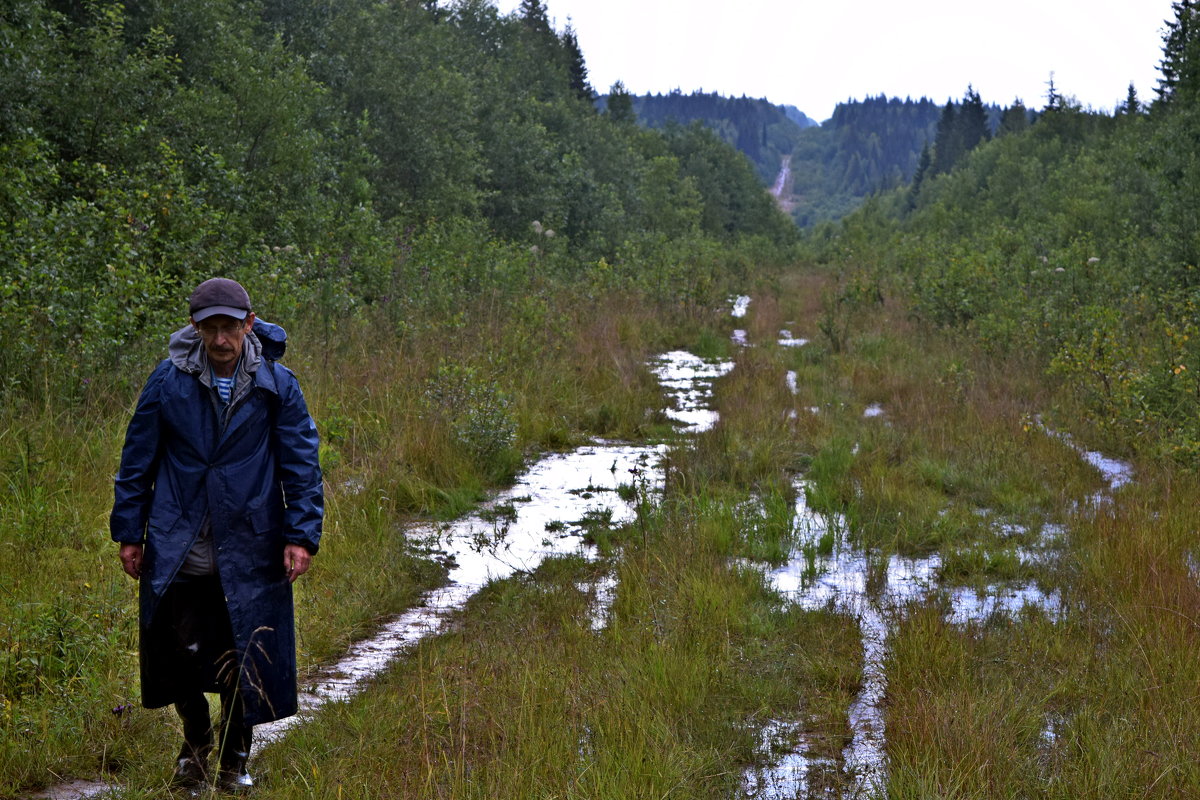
<point x="219" y="296"/>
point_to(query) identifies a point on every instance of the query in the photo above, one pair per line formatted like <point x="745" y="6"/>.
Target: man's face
<point x="222" y="337"/>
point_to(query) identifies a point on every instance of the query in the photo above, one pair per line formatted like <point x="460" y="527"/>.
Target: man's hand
<point x="296" y="561"/>
<point x="131" y="560"/>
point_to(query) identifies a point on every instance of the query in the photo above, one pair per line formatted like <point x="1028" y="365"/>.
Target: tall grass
<point x="523" y="697"/>
<point x="68" y="668"/>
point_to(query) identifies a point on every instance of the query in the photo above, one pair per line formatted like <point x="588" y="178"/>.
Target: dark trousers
<point x="204" y="658"/>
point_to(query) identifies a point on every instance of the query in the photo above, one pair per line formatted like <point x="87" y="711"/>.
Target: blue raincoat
<point x="252" y="470"/>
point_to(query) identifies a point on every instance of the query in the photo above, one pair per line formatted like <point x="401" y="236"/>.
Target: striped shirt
<point x="224" y="388"/>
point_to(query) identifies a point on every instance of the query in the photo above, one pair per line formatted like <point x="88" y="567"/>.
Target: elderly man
<point x="217" y="511"/>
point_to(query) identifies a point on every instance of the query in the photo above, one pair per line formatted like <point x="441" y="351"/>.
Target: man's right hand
<point x="131" y="560"/>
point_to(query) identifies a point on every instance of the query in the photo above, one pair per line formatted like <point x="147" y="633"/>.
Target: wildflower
<point x="1060" y="269"/>
<point x="1093" y="260"/>
<point x="1180" y="369"/>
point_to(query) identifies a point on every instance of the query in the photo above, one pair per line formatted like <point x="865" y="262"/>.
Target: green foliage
<point x="479" y="416"/>
<point x="294" y="146"/>
<point x="764" y="132"/>
<point x="1072" y="239"/>
<point x="865" y="147"/>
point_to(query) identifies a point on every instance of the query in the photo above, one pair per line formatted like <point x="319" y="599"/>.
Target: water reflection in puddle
<point x="787" y="340"/>
<point x="741" y="304"/>
<point x="543" y="514"/>
<point x="688" y="379"/>
<point x="828" y="572"/>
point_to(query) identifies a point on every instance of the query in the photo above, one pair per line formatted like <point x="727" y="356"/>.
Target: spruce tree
<point x="1131" y="107"/>
<point x="947" y="146"/>
<point x="972" y="121"/>
<point x="576" y="66"/>
<point x="1014" y="119"/>
<point x="914" y="191"/>
<point x="1180" y="65"/>
<point x="620" y="105"/>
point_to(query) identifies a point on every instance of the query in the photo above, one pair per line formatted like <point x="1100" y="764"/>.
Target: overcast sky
<point x="814" y="54"/>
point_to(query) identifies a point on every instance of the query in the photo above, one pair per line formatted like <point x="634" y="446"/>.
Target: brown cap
<point x="219" y="296"/>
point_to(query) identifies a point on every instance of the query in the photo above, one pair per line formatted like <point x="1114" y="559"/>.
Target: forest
<point x="1069" y="235"/>
<point x="764" y="132"/>
<point x="143" y="143"/>
<point x="892" y="493"/>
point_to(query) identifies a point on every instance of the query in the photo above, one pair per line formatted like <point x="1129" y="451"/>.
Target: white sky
<point x="814" y="54"/>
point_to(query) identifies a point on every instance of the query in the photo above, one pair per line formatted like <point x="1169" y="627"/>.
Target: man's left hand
<point x="296" y="561"/>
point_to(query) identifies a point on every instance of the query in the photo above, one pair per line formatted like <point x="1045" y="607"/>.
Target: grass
<point x="523" y="697"/>
<point x="69" y="616"/>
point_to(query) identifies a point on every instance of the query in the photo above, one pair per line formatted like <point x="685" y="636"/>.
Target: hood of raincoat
<point x="265" y="340"/>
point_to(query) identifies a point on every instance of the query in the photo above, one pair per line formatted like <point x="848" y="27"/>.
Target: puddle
<point x="873" y="410"/>
<point x="604" y="590"/>
<point x="550" y="507"/>
<point x="689" y="380"/>
<point x="741" y="304"/>
<point x="787" y="340"/>
<point x="79" y="790"/>
<point x="791" y="773"/>
<point x="545" y="513"/>
<point x="827" y="571"/>
<point x="791" y="379"/>
<point x="1115" y="472"/>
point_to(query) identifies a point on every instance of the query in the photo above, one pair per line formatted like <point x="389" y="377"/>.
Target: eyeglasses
<point x="210" y="330"/>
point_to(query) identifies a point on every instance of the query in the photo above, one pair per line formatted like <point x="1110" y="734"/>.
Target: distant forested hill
<point x="762" y="130"/>
<point x="867" y="145"/>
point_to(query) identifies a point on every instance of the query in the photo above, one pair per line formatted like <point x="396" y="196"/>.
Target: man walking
<point x="218" y="508"/>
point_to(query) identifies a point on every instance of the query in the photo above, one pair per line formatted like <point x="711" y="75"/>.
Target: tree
<point x="533" y="17"/>
<point x="1054" y="100"/>
<point x="620" y="105"/>
<point x="947" y="146"/>
<point x="576" y="67"/>
<point x="1180" y="65"/>
<point x="1131" y="107"/>
<point x="1014" y="119"/>
<point x="914" y="191"/>
<point x="972" y="121"/>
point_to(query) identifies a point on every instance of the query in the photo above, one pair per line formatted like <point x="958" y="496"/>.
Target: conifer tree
<point x="620" y="104"/>
<point x="576" y="66"/>
<point x="914" y="191"/>
<point x="1014" y="119"/>
<point x="1131" y="107"/>
<point x="534" y="18"/>
<point x="947" y="146"/>
<point x="1180" y="65"/>
<point x="972" y="121"/>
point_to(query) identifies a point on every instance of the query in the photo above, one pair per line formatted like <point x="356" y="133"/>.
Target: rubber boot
<point x="191" y="767"/>
<point x="236" y="736"/>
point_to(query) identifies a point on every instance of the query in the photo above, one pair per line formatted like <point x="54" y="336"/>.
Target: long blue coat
<point x="256" y="476"/>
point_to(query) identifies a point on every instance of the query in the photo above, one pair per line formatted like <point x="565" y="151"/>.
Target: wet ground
<point x="876" y="595"/>
<point x="546" y="514"/>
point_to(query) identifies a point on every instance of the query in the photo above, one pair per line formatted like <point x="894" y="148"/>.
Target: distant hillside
<point x="867" y="145"/>
<point x="762" y="130"/>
